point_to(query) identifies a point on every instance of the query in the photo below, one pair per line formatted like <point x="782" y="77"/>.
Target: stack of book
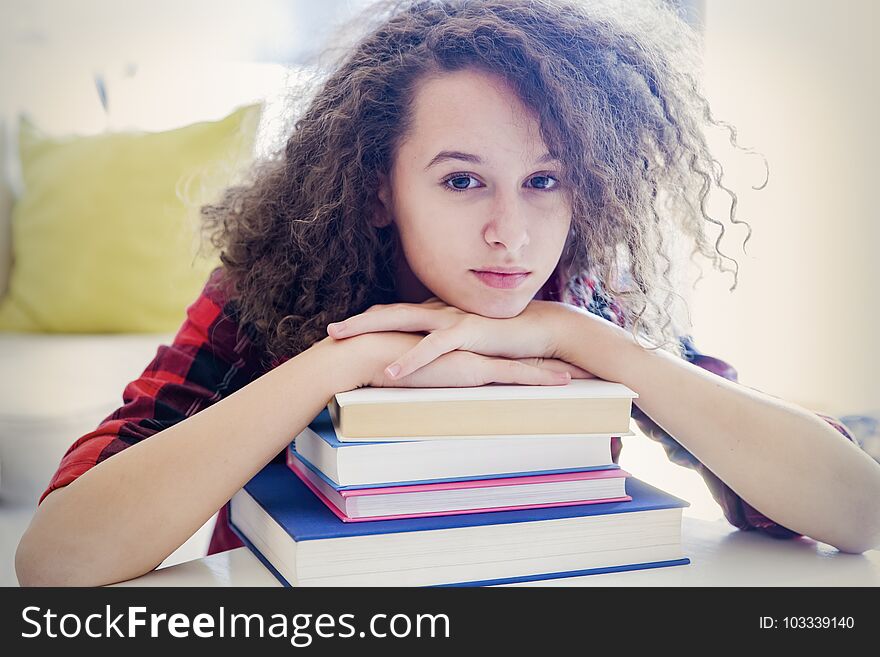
<point x="458" y="486"/>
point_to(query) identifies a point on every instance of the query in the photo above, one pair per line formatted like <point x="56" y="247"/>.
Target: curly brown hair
<point x="615" y="91"/>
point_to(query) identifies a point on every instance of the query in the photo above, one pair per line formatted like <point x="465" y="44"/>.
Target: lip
<point x="503" y="270"/>
<point x="505" y="281"/>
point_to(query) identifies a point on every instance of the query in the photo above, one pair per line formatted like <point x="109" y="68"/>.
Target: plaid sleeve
<point x="206" y="360"/>
<point x="737" y="511"/>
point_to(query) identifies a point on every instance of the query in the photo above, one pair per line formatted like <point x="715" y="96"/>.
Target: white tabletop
<point x="720" y="556"/>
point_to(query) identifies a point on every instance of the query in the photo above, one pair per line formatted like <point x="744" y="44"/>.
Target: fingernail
<point x="393" y="370"/>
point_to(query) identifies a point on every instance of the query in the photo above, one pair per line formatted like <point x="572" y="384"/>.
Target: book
<point x="591" y="406"/>
<point x="391" y="438"/>
<point x="303" y="543"/>
<point x="465" y="496"/>
<point x="416" y="461"/>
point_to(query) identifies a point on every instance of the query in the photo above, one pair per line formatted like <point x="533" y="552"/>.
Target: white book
<point x="583" y="406"/>
<point x="376" y="463"/>
<point x="433" y="498"/>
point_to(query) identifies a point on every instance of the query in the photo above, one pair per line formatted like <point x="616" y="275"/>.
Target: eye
<point x="549" y="182"/>
<point x="458" y="178"/>
<point x="460" y="182"/>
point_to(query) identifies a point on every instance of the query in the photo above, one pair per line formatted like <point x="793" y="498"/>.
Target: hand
<point x="531" y="334"/>
<point x="455" y="369"/>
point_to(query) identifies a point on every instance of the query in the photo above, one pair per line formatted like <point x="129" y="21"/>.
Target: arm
<point x="738" y="512"/>
<point x="781" y="459"/>
<point x="121" y="503"/>
<point x="122" y="517"/>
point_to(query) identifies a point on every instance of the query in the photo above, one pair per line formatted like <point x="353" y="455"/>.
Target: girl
<point x="481" y="191"/>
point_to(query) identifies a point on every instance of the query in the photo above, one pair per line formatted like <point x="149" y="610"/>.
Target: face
<point x="473" y="190"/>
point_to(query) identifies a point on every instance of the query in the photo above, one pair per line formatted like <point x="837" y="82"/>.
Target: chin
<point x="499" y="308"/>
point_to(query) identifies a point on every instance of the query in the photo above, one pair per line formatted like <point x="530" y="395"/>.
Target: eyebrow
<point x="443" y="156"/>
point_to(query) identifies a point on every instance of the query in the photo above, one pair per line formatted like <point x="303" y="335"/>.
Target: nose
<point x="507" y="224"/>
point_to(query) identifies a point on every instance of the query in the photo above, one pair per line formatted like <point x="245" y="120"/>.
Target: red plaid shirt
<point x="206" y="361"/>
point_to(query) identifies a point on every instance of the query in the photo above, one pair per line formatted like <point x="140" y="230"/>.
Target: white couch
<point x="53" y="389"/>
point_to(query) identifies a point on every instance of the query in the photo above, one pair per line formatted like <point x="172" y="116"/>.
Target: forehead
<point x="472" y="111"/>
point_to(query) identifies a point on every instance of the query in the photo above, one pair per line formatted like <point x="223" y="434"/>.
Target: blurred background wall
<point x="799" y="78"/>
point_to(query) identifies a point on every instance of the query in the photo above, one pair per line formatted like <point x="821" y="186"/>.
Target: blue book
<point x="303" y="543"/>
<point x="382" y="463"/>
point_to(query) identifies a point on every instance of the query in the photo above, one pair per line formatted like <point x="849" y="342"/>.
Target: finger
<point x="563" y="366"/>
<point x="387" y="318"/>
<point x="502" y="370"/>
<point x="559" y="366"/>
<point x="429" y="348"/>
<point x="579" y="373"/>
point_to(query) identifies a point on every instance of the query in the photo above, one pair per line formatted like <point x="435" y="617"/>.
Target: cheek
<point x="434" y="239"/>
<point x="431" y="235"/>
<point x="551" y="233"/>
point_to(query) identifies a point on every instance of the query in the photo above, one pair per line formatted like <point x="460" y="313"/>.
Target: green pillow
<point x="105" y="236"/>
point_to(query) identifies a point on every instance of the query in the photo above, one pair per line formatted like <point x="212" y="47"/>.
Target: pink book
<point x="561" y="485"/>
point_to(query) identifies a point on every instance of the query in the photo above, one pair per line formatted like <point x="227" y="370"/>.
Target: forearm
<point x="124" y="516"/>
<point x="782" y="459"/>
